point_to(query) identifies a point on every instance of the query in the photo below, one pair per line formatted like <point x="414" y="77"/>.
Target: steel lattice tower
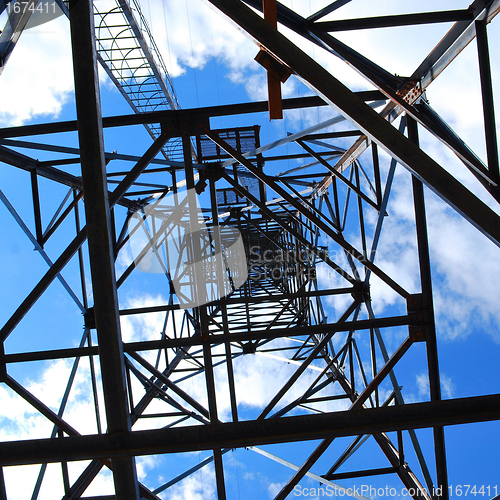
<point x="179" y="390"/>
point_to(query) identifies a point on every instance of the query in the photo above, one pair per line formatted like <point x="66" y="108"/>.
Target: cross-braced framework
<point x="310" y="235"/>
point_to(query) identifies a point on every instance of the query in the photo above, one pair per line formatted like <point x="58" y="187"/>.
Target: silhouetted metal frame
<point x="488" y="407"/>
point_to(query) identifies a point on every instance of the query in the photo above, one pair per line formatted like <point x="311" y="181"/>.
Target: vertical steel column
<point x="3" y="376"/>
<point x="428" y="305"/>
<point x="203" y="318"/>
<point x="223" y="306"/>
<point x="99" y="237"/>
<point x="487" y="93"/>
<point x="3" y="493"/>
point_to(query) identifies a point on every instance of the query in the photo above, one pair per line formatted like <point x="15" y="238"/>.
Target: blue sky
<point x="211" y="63"/>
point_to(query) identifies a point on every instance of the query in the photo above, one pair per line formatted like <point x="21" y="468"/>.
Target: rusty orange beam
<point x="273" y="82"/>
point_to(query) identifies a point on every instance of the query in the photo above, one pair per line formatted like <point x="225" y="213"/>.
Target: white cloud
<point x="16" y="414"/>
<point x="190" y="33"/>
<point x="198" y="486"/>
<point x="54" y="377"/>
<point x="447" y="385"/>
<point x="423" y="384"/>
<point x="19" y="482"/>
<point x="140" y="327"/>
<point x="274" y="489"/>
<point x="144" y="465"/>
<point x="38" y="77"/>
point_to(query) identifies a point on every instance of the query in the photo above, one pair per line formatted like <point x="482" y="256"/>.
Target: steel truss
<point x="165" y="394"/>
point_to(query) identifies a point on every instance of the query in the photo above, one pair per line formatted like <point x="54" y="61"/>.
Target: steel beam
<point x="391" y="21"/>
<point x="166" y="343"/>
<point x="19" y="15"/>
<point x="428" y="306"/>
<point x="459" y="36"/>
<point x="29" y="164"/>
<point x="75" y="151"/>
<point x="488" y="106"/>
<point x="304" y="469"/>
<point x="100" y="241"/>
<point x="38" y="247"/>
<point x="327" y="10"/>
<point x="336" y="173"/>
<point x="177" y="116"/>
<point x="254" y="433"/>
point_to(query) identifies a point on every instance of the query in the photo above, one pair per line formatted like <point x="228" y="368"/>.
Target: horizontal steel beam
<point x="178" y="116"/>
<point x="76" y="151"/>
<point x="253" y="433"/>
<point x="258" y="299"/>
<point x="217" y="339"/>
<point x="393" y="21"/>
<point x="29" y="164"/>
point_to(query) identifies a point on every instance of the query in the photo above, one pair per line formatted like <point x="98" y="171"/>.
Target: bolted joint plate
<point x="361" y="292"/>
<point x="185" y="125"/>
<point x="273" y="65"/>
<point x="3" y="365"/>
<point x="249" y="347"/>
<point x="420" y="318"/>
<point x="410" y="91"/>
<point x="89" y="319"/>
